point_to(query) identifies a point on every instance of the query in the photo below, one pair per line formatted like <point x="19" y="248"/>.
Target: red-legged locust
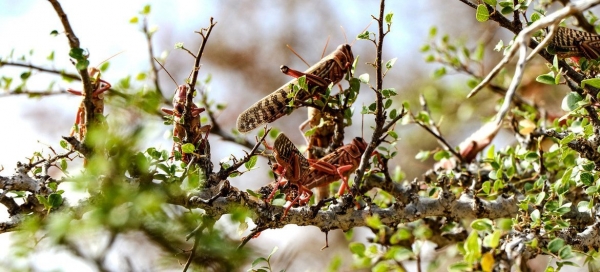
<point x="100" y="86"/>
<point x="569" y="42"/>
<point x="330" y="69"/>
<point x="197" y="131"/>
<point x="291" y="165"/>
<point x="305" y="174"/>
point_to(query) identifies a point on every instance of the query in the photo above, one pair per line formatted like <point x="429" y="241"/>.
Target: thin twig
<point x="33" y="93"/>
<point x="41" y="69"/>
<point x="151" y="55"/>
<point x="246" y="239"/>
<point x="187" y="113"/>
<point x="192" y="253"/>
<point x="379" y="113"/>
<point x="224" y="173"/>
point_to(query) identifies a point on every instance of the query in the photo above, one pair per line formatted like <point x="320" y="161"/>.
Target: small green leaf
<point x="583" y="206"/>
<point x="555" y="245"/>
<point x="390" y="63"/>
<point x="134" y="20"/>
<point x="566" y="253"/>
<point x="252" y="193"/>
<point x="535" y="216"/>
<point x="272" y="252"/>
<point x="532" y="156"/>
<point x="25" y="75"/>
<point x="55" y="200"/>
<point x="482" y="13"/>
<point x="388" y="104"/>
<point x="586" y="178"/>
<point x="357" y="248"/>
<point x="507" y="10"/>
<point x="389" y="17"/>
<point x="251" y="162"/>
<point x="374" y="222"/>
<point x="439" y="72"/>
<point x="479" y="51"/>
<point x="393" y="113"/>
<point x="43" y="200"/>
<point x="188" y="148"/>
<point x="63" y="165"/>
<point x="482" y="225"/>
<point x="54" y="33"/>
<point x="432" y="32"/>
<point x="594" y="82"/>
<point x="504" y="224"/>
<point x="442" y="154"/>
<point x="76" y="53"/>
<point x="535" y="16"/>
<point x="364" y="78"/>
<point x="486" y="187"/>
<point x="570" y="101"/>
<point x="258" y="260"/>
<point x="499" y="46"/>
<point x="82" y="64"/>
<point x="546" y="79"/>
<point x="422" y="155"/>
<point x="363" y="36"/>
<point x="146" y="10"/>
<point x="140" y="76"/>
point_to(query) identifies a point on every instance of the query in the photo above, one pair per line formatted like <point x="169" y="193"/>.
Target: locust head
<point x="343" y="56"/>
<point x="180" y="94"/>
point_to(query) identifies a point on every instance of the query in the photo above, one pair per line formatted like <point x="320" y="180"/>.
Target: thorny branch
<point x="434" y="130"/>
<point x="39" y="68"/>
<point x="85" y="77"/>
<point x="380" y="115"/>
<point x="225" y="172"/>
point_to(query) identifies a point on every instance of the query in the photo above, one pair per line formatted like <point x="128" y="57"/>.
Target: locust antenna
<point x="325" y="48"/>
<point x="344" y="32"/>
<point x="365" y="29"/>
<point x="176" y="85"/>
<point x="109" y="58"/>
<point x="297" y="55"/>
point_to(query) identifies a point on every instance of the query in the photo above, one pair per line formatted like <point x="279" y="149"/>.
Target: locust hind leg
<point x="321" y="82"/>
<point x="341" y="171"/>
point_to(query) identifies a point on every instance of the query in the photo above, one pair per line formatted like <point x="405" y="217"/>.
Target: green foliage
<point x="267" y="266"/>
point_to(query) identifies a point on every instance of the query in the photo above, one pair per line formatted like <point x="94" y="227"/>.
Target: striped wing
<point x="574" y="43"/>
<point x="275" y="105"/>
<point x="290" y="157"/>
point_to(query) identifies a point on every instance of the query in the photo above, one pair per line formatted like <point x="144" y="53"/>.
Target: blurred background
<point x="242" y="57"/>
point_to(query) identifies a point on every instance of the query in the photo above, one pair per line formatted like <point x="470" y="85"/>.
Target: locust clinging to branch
<point x="292" y="167"/>
<point x="329" y="70"/>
